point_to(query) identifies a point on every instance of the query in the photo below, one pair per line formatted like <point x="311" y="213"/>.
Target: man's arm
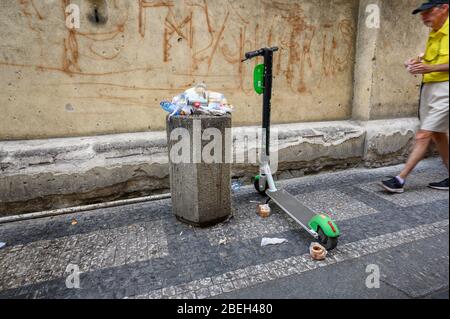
<point x="441" y="68"/>
<point x="421" y="68"/>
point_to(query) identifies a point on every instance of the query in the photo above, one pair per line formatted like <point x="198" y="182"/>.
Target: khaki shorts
<point x="434" y="107"/>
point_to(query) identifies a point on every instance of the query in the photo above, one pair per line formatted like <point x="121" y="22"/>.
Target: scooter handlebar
<point x="260" y="52"/>
<point x="254" y="54"/>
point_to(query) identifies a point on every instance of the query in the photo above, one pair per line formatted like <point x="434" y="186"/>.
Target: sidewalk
<point x="142" y="251"/>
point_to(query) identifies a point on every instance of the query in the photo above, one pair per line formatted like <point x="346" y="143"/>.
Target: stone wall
<point x="108" y="76"/>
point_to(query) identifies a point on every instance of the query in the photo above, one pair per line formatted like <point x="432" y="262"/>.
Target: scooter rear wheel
<point x="256" y="184"/>
<point x="329" y="243"/>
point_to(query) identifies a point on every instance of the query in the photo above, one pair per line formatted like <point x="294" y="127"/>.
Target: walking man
<point x="434" y="101"/>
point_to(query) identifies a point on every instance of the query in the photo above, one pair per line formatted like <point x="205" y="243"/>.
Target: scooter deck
<point x="292" y="206"/>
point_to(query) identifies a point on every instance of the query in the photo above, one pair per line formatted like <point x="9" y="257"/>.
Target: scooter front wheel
<point x="329" y="243"/>
<point x="256" y="183"/>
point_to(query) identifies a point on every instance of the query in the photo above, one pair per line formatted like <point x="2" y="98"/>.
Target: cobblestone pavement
<point x="142" y="251"/>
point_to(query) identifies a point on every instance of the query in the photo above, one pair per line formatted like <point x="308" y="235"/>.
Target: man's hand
<point x="410" y="62"/>
<point x="420" y="68"/>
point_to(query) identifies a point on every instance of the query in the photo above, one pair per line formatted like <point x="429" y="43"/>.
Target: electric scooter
<point x="320" y="226"/>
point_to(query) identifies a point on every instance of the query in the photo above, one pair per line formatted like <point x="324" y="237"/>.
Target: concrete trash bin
<point x="200" y="175"/>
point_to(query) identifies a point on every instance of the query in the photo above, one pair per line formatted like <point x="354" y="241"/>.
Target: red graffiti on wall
<point x="212" y="42"/>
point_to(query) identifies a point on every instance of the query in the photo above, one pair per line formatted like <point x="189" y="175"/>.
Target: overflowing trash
<point x="198" y="100"/>
<point x="317" y="251"/>
<point x="272" y="241"/>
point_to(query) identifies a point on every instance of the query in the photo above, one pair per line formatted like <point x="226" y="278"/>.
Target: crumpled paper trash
<point x="317" y="251"/>
<point x="272" y="241"/>
<point x="264" y="210"/>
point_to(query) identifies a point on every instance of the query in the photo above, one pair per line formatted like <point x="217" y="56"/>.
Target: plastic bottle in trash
<point x="168" y="106"/>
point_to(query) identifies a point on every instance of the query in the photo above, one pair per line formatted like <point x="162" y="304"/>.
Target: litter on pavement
<point x="236" y="186"/>
<point x="2" y="245"/>
<point x="317" y="251"/>
<point x="264" y="211"/>
<point x="272" y="241"/>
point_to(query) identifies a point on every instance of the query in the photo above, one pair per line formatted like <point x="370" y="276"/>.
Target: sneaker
<point x="441" y="185"/>
<point x="393" y="186"/>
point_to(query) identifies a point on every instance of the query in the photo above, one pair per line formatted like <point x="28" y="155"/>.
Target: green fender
<point x="328" y="226"/>
<point x="258" y="78"/>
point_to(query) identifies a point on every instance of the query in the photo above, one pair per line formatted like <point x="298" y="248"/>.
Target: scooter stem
<point x="267" y="53"/>
<point x="268" y="63"/>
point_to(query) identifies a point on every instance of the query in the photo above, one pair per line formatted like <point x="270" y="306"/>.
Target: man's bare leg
<point x="423" y="140"/>
<point x="441" y="140"/>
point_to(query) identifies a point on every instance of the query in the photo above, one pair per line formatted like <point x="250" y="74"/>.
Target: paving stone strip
<point x="254" y="275"/>
<point x="47" y="259"/>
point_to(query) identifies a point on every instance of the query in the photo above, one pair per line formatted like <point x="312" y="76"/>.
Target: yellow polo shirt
<point x="437" y="53"/>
